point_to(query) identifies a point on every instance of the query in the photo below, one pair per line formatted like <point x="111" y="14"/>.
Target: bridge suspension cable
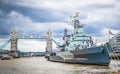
<point x="5" y="44"/>
<point x="55" y="42"/>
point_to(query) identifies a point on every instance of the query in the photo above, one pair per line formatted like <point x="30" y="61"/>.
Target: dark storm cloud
<point x="7" y="24"/>
<point x="94" y="31"/>
<point x="46" y="14"/>
<point x="38" y="15"/>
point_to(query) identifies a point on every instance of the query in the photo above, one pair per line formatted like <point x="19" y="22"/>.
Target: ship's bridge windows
<point x="81" y="38"/>
<point x="81" y="44"/>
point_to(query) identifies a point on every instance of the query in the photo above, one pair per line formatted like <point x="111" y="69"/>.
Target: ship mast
<point x="77" y="23"/>
<point x="65" y="32"/>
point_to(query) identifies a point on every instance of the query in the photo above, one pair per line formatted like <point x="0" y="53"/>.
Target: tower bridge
<point x="14" y="37"/>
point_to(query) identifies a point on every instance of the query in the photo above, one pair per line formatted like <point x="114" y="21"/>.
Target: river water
<point x="39" y="65"/>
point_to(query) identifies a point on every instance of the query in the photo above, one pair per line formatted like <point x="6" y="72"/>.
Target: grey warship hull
<point x="95" y="55"/>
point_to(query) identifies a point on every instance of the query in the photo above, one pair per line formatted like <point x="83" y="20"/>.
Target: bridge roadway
<point x="31" y="37"/>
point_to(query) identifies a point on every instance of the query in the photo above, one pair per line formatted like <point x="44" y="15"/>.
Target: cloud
<point x="36" y="17"/>
<point x="62" y="4"/>
<point x="25" y="25"/>
<point x="93" y="10"/>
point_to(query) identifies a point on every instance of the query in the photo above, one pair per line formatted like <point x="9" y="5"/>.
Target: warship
<point x="80" y="48"/>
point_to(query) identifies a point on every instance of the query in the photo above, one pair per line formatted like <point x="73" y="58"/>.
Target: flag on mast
<point x="110" y="33"/>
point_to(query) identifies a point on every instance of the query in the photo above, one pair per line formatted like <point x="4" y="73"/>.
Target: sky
<point x="36" y="17"/>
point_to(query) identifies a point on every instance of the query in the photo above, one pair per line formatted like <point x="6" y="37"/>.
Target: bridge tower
<point x="14" y="51"/>
<point x="48" y="43"/>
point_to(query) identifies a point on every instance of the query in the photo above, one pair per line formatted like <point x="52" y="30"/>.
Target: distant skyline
<point x="35" y="17"/>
